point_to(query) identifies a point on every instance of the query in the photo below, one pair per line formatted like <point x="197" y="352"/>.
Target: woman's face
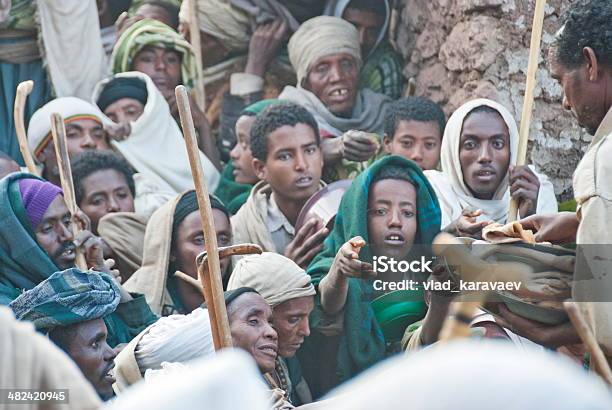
<point x="392" y="217"/>
<point x="484" y="152"/>
<point x="163" y="65"/>
<point x="189" y="242"/>
<point x="241" y="154"/>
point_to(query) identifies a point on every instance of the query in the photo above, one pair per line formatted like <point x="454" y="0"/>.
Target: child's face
<point x="417" y="141"/>
<point x="294" y="163"/>
<point x="392" y="217"/>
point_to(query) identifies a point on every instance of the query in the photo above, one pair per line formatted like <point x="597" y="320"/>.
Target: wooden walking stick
<point x="23" y="90"/>
<point x="599" y="362"/>
<point x="211" y="279"/>
<point x="532" y="67"/>
<point x="63" y="162"/>
<point x="194" y="37"/>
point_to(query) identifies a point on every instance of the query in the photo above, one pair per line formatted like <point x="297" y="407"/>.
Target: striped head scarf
<point x="66" y="298"/>
<point x="148" y="32"/>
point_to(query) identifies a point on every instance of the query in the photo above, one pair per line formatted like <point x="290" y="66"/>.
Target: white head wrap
<point x="70" y="108"/>
<point x="322" y="36"/>
<point x="275" y="277"/>
<point x="475" y="375"/>
<point x="175" y="338"/>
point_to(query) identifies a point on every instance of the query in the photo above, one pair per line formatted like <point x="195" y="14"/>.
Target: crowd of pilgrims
<point x="305" y="101"/>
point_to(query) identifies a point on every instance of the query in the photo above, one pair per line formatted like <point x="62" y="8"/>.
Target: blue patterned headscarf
<point x="66" y="298"/>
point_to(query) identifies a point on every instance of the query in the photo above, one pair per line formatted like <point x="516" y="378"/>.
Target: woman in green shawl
<point x="389" y="208"/>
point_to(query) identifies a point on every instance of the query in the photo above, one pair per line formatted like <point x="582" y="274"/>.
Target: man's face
<point x="104" y="192"/>
<point x="368" y="24"/>
<point x="189" y="242"/>
<point x="250" y="320"/>
<point x="124" y="110"/>
<point x="241" y="154"/>
<point x="291" y="323"/>
<point x="155" y="12"/>
<point x="334" y="80"/>
<point x="81" y="135"/>
<point x="484" y="153"/>
<point x="584" y="98"/>
<point x="294" y="163"/>
<point x="7" y="166"/>
<point x="417" y="141"/>
<point x="54" y="234"/>
<point x="392" y="217"/>
<point x="162" y="65"/>
<point x="89" y="350"/>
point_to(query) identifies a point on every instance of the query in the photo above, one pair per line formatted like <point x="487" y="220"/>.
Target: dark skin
<point x="124" y="110"/>
<point x="392" y="225"/>
<point x="241" y="154"/>
<point x="164" y="67"/>
<point x="90" y="351"/>
<point x="251" y="326"/>
<point x="7" y="165"/>
<point x="189" y="243"/>
<point x="293" y="169"/>
<point x="105" y="192"/>
<point x="290" y="320"/>
<point x="484" y="154"/>
<point x="81" y="135"/>
<point x="588" y="94"/>
<point x="368" y="25"/>
<point x="418" y="141"/>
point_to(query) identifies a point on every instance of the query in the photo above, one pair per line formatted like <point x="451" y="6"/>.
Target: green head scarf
<point x="23" y="263"/>
<point x="362" y="343"/>
<point x="148" y="32"/>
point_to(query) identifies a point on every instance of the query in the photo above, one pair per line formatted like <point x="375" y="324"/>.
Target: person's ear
<point x="387" y="143"/>
<point x="592" y="64"/>
<point x="260" y="169"/>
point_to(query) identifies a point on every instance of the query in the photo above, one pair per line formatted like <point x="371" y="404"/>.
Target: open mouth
<point x="304" y="181"/>
<point x="69" y="252"/>
<point x="485" y="174"/>
<point x="394" y="239"/>
<point x="339" y="92"/>
<point x="269" y="350"/>
<point x="108" y="376"/>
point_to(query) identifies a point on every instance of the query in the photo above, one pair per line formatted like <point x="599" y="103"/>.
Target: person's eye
<point x="294" y="320"/>
<point x="469" y="144"/>
<point x="67" y="222"/>
<point x="498" y="143"/>
<point x="431" y="145"/>
<point x="310" y="150"/>
<point x="97" y="201"/>
<point x="407" y="214"/>
<point x="172" y="58"/>
<point x="407" y="144"/>
<point x="284" y="157"/>
<point x="199" y="240"/>
<point x="122" y="195"/>
<point x="95" y="344"/>
<point x="381" y="212"/>
<point x="322" y="68"/>
<point x="98" y="134"/>
<point x="146" y="58"/>
<point x="253" y="322"/>
<point x="223" y="240"/>
<point x="73" y="134"/>
<point x="46" y="228"/>
<point x="347" y="64"/>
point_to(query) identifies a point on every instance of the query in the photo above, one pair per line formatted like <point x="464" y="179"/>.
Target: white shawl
<point x="155" y="147"/>
<point x="454" y="195"/>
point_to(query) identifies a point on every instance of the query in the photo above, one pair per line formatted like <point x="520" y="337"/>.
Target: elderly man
<point x="70" y="307"/>
<point x="36" y="240"/>
<point x="382" y="69"/>
<point x="84" y="131"/>
<point x="326" y="56"/>
<point x="581" y="60"/>
<point x="287" y="289"/>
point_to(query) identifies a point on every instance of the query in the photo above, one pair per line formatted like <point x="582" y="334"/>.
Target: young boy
<point x="413" y="129"/>
<point x="287" y="158"/>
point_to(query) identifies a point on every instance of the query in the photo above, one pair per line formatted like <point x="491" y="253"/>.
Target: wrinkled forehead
<point x="249" y="304"/>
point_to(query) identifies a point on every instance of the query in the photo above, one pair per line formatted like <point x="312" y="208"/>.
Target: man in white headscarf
<point x="479" y="146"/>
<point x="288" y="290"/>
<point x="326" y="55"/>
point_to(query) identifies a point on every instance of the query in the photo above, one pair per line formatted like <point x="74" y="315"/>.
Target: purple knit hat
<point x="36" y="196"/>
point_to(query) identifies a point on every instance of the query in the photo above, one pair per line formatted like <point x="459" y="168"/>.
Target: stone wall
<point x="463" y="49"/>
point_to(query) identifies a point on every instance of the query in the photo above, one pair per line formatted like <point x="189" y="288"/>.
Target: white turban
<point x="275" y="277"/>
<point x="70" y="108"/>
<point x="319" y="37"/>
<point x="175" y="338"/>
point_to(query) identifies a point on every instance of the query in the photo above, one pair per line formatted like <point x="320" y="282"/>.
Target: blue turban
<point x="66" y="298"/>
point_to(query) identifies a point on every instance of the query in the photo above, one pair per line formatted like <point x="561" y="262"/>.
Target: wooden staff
<point x="532" y="67"/>
<point x="471" y="268"/>
<point x="213" y="290"/>
<point x="599" y="362"/>
<point x="63" y="162"/>
<point x="23" y="90"/>
<point x="194" y="36"/>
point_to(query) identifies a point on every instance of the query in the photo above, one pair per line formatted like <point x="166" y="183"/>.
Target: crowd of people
<point x="292" y="102"/>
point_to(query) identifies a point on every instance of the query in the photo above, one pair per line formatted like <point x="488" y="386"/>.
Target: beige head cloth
<point x="274" y="276"/>
<point x="322" y="36"/>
